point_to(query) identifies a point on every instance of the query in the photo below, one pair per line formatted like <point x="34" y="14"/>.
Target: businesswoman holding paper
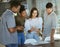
<point x="33" y="25"/>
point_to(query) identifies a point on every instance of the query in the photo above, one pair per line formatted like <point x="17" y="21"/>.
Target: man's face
<point x="23" y="13"/>
<point x="49" y="10"/>
<point x="16" y="9"/>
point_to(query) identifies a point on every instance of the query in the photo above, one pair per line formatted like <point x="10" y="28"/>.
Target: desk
<point x="55" y="44"/>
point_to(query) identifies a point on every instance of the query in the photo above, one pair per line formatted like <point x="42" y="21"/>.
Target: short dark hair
<point x="14" y="3"/>
<point x="22" y="8"/>
<point x="32" y="12"/>
<point x="49" y="5"/>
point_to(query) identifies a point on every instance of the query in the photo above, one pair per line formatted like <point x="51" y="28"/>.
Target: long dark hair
<point x="32" y="10"/>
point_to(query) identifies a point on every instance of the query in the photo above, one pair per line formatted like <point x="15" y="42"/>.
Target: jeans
<point x="21" y="38"/>
<point x="11" y="45"/>
<point x="32" y="35"/>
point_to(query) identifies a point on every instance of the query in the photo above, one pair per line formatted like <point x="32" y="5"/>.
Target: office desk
<point x="55" y="44"/>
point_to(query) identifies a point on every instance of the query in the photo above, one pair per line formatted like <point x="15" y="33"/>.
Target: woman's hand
<point x="32" y="29"/>
<point x="39" y="32"/>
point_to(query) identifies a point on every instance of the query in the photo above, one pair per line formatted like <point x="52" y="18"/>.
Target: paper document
<point x="34" y="42"/>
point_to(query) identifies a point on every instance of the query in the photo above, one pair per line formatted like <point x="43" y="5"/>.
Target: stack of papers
<point x="30" y="41"/>
<point x="56" y="37"/>
<point x="34" y="42"/>
<point x="46" y="41"/>
<point x="40" y="43"/>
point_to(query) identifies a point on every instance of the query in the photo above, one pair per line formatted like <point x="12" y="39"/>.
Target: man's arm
<point x="11" y="30"/>
<point x="54" y="20"/>
<point x="52" y="35"/>
<point x="52" y="32"/>
<point x="15" y="28"/>
<point x="10" y="23"/>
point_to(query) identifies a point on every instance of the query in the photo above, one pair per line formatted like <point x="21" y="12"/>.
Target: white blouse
<point x="36" y="22"/>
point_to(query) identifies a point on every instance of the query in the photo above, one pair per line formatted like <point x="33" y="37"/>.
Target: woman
<point x="20" y="21"/>
<point x="33" y="25"/>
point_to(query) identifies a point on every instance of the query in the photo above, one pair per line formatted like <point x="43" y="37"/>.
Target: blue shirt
<point x="8" y="21"/>
<point x="49" y="23"/>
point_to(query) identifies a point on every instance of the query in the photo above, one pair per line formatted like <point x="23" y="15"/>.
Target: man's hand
<point x="52" y="39"/>
<point x="20" y="27"/>
<point x="52" y="35"/>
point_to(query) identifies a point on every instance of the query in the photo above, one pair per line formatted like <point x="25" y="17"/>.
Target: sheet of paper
<point x="34" y="42"/>
<point x="30" y="41"/>
<point x="41" y="42"/>
<point x="56" y="37"/>
<point x="46" y="41"/>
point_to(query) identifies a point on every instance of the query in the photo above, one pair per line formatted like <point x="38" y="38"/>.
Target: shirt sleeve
<point x="40" y="23"/>
<point x="27" y="26"/>
<point x="10" y="22"/>
<point x="54" y="20"/>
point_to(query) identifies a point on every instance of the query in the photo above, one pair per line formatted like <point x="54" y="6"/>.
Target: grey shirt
<point x="49" y="23"/>
<point x="8" y="21"/>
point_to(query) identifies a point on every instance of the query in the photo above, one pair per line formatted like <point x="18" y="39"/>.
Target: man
<point x="20" y="21"/>
<point x="9" y="34"/>
<point x="49" y="22"/>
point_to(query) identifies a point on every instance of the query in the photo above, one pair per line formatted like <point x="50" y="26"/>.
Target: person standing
<point x="9" y="30"/>
<point x="49" y="22"/>
<point x="33" y="25"/>
<point x="20" y="21"/>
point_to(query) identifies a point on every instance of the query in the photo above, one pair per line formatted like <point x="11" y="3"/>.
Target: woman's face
<point x="23" y="13"/>
<point x="34" y="14"/>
